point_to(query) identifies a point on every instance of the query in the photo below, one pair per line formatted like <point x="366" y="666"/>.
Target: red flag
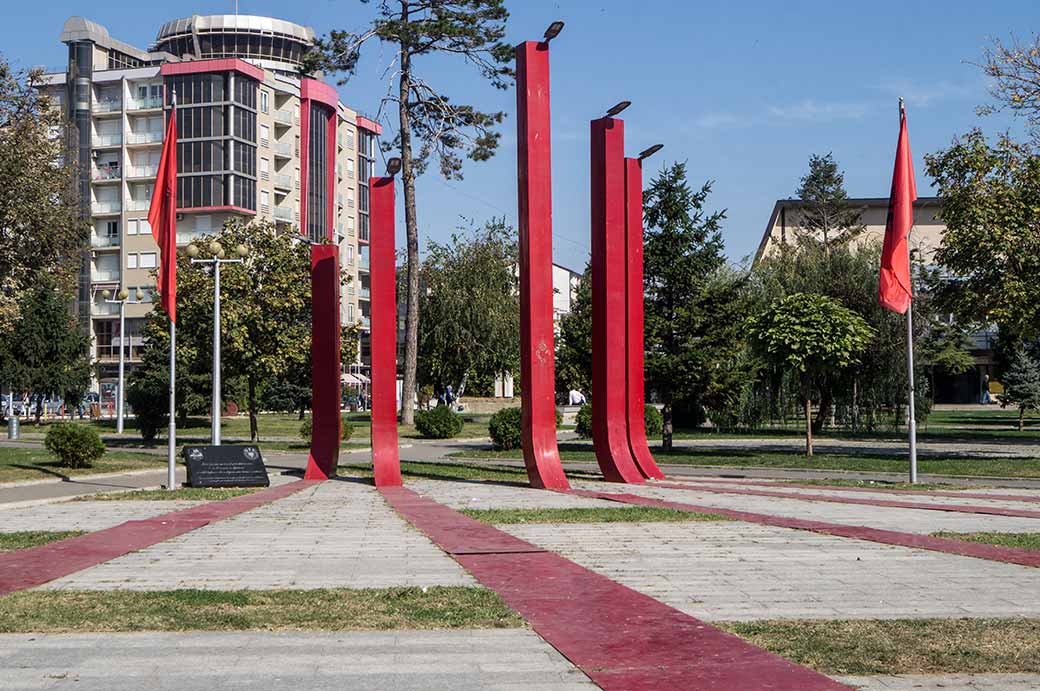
<point x="894" y="288"/>
<point x="162" y="215"/>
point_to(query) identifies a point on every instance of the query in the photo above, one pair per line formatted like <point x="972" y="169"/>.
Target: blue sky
<point x="743" y="92"/>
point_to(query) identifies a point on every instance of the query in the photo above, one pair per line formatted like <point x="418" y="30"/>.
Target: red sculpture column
<point x="609" y="385"/>
<point x="534" y="175"/>
<point x="325" y="396"/>
<point x="386" y="460"/>
<point x="634" y="320"/>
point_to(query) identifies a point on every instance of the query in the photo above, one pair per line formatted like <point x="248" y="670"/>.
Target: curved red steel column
<point x="386" y="460"/>
<point x="609" y="381"/>
<point x="634" y="320"/>
<point x="534" y="176"/>
<point x="325" y="392"/>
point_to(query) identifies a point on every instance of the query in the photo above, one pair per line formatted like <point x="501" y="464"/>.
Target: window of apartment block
<point x="350" y="139"/>
<point x="350" y="197"/>
<point x="350" y="167"/>
<point x="350" y="315"/>
<point x="265" y="135"/>
<point x="131" y="226"/>
<point x="203" y="223"/>
<point x="350" y="254"/>
<point x="350" y="225"/>
<point x="265" y="200"/>
<point x="111" y="229"/>
<point x="144" y="228"/>
<point x="131" y="261"/>
<point x="147" y="260"/>
<point x="264" y="96"/>
<point x="265" y="168"/>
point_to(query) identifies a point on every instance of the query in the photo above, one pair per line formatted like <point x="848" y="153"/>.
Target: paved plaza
<point x="344" y="534"/>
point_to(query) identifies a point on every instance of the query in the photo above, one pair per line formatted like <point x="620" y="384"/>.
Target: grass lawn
<point x="1021" y="540"/>
<point x="332" y="609"/>
<point x="38" y="464"/>
<point x="750" y="458"/>
<point x="181" y="494"/>
<point x="639" y="514"/>
<point x="871" y="484"/>
<point x="439" y="471"/>
<point x="901" y="646"/>
<point x="33" y="538"/>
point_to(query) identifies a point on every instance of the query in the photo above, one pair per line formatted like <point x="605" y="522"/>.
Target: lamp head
<point x="106" y="293"/>
<point x="618" y="108"/>
<point x="215" y="248"/>
<point x="139" y="294"/>
<point x="647" y="153"/>
<point x="221" y="254"/>
<point x="123" y="294"/>
<point x="192" y="251"/>
<point x="393" y="166"/>
<point x="241" y="250"/>
<point x="553" y="31"/>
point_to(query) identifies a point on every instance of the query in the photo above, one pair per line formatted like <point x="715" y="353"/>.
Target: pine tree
<point x="1022" y="385"/>
<point x="826" y="217"/>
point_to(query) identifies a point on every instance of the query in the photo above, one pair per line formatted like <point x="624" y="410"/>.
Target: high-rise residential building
<point x="255" y="141"/>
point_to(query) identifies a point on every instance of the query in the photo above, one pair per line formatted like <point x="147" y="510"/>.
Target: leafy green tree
<point x="991" y="206"/>
<point x="40" y="229"/>
<point x="812" y="335"/>
<point x="46" y="353"/>
<point x="471" y="305"/>
<point x="427" y="30"/>
<point x="574" y="341"/>
<point x="826" y="216"/>
<point x="1013" y="69"/>
<point x="1022" y="385"/>
<point x="691" y="303"/>
<point x="944" y="348"/>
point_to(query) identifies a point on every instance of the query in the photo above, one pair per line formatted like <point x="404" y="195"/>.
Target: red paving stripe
<point x="829" y="498"/>
<point x="620" y="638"/>
<point x="28" y="568"/>
<point x="872" y="490"/>
<point x="1007" y="555"/>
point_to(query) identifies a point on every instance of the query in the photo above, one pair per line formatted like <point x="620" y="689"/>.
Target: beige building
<point x="255" y="141"/>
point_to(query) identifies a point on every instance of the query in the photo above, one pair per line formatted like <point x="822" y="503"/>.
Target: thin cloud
<point x="923" y="95"/>
<point x="811" y="111"/>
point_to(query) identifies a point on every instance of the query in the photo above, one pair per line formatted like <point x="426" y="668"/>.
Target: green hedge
<point x="75" y="445"/>
<point x="346" y="429"/>
<point x="439" y="423"/>
<point x="651" y="417"/>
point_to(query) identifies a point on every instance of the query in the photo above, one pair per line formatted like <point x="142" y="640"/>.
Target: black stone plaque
<point x="225" y="466"/>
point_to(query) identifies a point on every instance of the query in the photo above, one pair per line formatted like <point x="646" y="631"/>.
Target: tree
<point x="470" y="29"/>
<point x="1022" y="385"/>
<point x="691" y="304"/>
<point x="944" y="348"/>
<point x="826" y="216"/>
<point x="40" y="229"/>
<point x="574" y="343"/>
<point x="812" y="335"/>
<point x="991" y="247"/>
<point x="470" y="300"/>
<point x="1014" y="72"/>
<point x="46" y="353"/>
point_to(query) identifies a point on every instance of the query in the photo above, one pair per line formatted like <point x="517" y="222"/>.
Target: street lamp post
<point x="217" y="250"/>
<point x="122" y="299"/>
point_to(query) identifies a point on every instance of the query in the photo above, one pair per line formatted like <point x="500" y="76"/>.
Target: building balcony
<point x="363" y="263"/>
<point x="138" y="204"/>
<point x="284" y="150"/>
<point x="364" y="293"/>
<point x="185" y="238"/>
<point x="283" y="182"/>
<point x="104" y="175"/>
<point x="151" y="103"/>
<point x="284" y="117"/>
<point x="103" y="241"/>
<point x="104" y="140"/>
<point x="106" y="105"/>
<point x="97" y="276"/>
<point x="103" y="309"/>
<point x="365" y="323"/>
<point x="142" y="171"/>
<point x="282" y="214"/>
<point x="101" y="208"/>
<point x="143" y="138"/>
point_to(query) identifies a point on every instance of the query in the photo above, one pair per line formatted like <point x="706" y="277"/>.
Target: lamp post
<point x="122" y="299"/>
<point x="217" y="250"/>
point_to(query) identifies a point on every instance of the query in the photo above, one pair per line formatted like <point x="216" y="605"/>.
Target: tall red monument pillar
<point x="386" y="461"/>
<point x="325" y="396"/>
<point x="534" y="175"/>
<point x="634" y="342"/>
<point x="609" y="363"/>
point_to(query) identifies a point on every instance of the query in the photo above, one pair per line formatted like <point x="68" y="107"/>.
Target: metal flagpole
<point x="215" y="436"/>
<point x="122" y="381"/>
<point x="171" y="450"/>
<point x="912" y="421"/>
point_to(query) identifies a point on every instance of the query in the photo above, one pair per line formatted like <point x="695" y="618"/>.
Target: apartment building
<point x="255" y="141"/>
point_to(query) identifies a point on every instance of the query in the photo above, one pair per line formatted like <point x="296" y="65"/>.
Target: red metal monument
<point x="534" y="175"/>
<point x="325" y="396"/>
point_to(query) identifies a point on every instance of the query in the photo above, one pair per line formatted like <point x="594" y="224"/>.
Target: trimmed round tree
<point x="812" y="334"/>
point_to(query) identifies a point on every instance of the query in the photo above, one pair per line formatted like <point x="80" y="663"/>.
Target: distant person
<point x="361" y="400"/>
<point x="576" y="397"/>
<point x="449" y="396"/>
<point x="985" y="390"/>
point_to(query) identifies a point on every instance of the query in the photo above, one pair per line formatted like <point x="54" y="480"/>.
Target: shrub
<point x="559" y="418"/>
<point x="653" y="421"/>
<point x="504" y="428"/>
<point x="77" y="446"/>
<point x="346" y="429"/>
<point x="150" y="404"/>
<point x="583" y="422"/>
<point x="439" y="423"/>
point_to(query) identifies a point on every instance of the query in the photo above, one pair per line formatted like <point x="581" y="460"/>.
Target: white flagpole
<point x="912" y="422"/>
<point x="171" y="450"/>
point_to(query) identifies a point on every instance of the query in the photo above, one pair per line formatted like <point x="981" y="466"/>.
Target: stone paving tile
<point x="890" y="518"/>
<point x="486" y="495"/>
<point x="945" y="682"/>
<point x="741" y="571"/>
<point x="481" y="659"/>
<point x="84" y="515"/>
<point x="337" y="534"/>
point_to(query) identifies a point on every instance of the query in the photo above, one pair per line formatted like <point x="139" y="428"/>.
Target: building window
<point x="350" y="314"/>
<point x="131" y="261"/>
<point x="131" y="226"/>
<point x="350" y="139"/>
<point x="147" y="260"/>
<point x="265" y="201"/>
<point x="265" y="136"/>
<point x="350" y="168"/>
<point x="264" y="96"/>
<point x="265" y="168"/>
<point x="111" y="229"/>
<point x="317" y="172"/>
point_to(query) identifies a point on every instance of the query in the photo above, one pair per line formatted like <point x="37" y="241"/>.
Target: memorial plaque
<point x="225" y="466"/>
